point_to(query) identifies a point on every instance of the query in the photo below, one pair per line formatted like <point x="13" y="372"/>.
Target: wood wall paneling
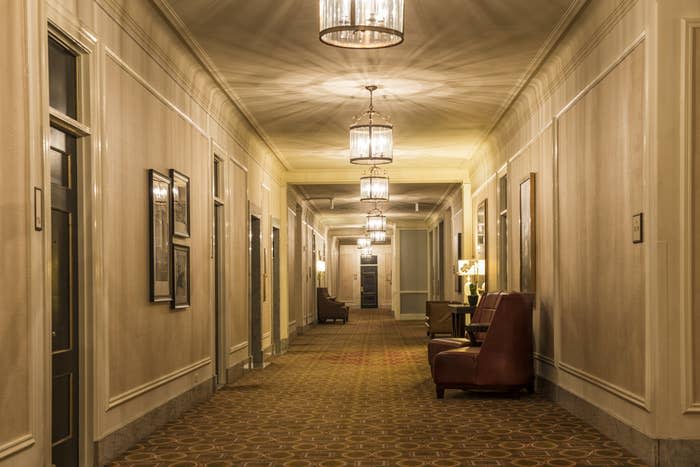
<point x="694" y="363"/>
<point x="601" y="282"/>
<point x="150" y="340"/>
<point x="15" y="231"/>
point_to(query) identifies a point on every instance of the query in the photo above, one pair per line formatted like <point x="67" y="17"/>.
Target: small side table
<point x="459" y="312"/>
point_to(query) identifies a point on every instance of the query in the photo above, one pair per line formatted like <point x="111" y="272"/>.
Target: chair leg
<point x="439" y="391"/>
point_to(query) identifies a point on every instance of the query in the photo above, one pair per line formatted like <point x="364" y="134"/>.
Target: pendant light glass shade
<point x="376" y="221"/>
<point x="377" y="236"/>
<point x="374" y="186"/>
<point x="364" y="242"/>
<point x="361" y="24"/>
<point x="371" y="137"/>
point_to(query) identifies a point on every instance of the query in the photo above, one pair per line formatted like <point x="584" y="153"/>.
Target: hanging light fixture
<point x="376" y="221"/>
<point x="371" y="136"/>
<point x="361" y="24"/>
<point x="364" y="242"/>
<point x="366" y="253"/>
<point x="374" y="186"/>
<point x="377" y="236"/>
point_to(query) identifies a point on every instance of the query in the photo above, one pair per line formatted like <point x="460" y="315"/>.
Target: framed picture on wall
<point x="160" y="192"/>
<point x="181" y="276"/>
<point x="527" y="235"/>
<point x="180" y="204"/>
<point x="458" y="255"/>
<point x="482" y="244"/>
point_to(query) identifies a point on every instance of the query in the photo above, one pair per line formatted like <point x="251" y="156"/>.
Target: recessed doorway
<point x="255" y="342"/>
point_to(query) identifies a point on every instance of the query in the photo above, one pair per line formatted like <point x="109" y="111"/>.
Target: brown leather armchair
<point x="483" y="314"/>
<point x="504" y="360"/>
<point x="438" y="317"/>
<point x="329" y="308"/>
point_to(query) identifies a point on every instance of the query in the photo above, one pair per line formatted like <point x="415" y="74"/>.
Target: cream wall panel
<point x="538" y="157"/>
<point x="349" y="273"/>
<point x="489" y="192"/>
<point x="694" y="141"/>
<point x="237" y="287"/>
<point x="600" y="189"/>
<point x="16" y="205"/>
<point x="384" y="273"/>
<point x="149" y="340"/>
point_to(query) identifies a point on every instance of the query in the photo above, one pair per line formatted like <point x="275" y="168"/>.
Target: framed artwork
<point x="481" y="241"/>
<point x="181" y="204"/>
<point x="160" y="193"/>
<point x="527" y="235"/>
<point x="458" y="279"/>
<point x="181" y="276"/>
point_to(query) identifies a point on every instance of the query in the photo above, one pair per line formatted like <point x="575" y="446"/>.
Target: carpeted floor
<point x="361" y="395"/>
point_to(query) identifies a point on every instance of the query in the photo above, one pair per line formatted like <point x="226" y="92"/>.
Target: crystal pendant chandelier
<point x="377" y="236"/>
<point x="374" y="186"/>
<point x="371" y="136"/>
<point x="364" y="242"/>
<point x="361" y="24"/>
<point x="376" y="221"/>
<point x="366" y="253"/>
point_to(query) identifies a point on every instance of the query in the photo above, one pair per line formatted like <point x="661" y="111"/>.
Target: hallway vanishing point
<point x="361" y="395"/>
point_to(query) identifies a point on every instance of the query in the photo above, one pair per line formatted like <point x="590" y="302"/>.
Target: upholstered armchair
<point x="329" y="308"/>
<point x="438" y="318"/>
<point x="504" y="359"/>
<point x="483" y="314"/>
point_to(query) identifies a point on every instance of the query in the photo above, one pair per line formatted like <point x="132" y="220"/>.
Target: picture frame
<point x="160" y="197"/>
<point x="180" y="204"/>
<point x="482" y="249"/>
<point x="458" y="255"/>
<point x="181" y="276"/>
<point x="528" y="258"/>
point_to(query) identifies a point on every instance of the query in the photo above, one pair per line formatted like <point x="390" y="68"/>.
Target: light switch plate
<point x="638" y="228"/>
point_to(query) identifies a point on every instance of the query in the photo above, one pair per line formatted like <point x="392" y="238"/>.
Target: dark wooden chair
<point x="438" y="317"/>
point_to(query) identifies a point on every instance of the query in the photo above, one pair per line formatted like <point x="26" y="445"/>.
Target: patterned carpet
<point x="360" y="394"/>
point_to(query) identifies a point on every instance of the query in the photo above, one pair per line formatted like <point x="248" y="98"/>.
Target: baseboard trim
<point x="235" y="372"/>
<point x="654" y="452"/>
<point x="115" y="443"/>
<point x="412" y="316"/>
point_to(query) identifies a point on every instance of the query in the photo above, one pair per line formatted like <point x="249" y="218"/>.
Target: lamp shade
<point x="374" y="187"/>
<point x="364" y="242"/>
<point x="320" y="266"/>
<point x="376" y="221"/>
<point x="377" y="236"/>
<point x="371" y="136"/>
<point x="361" y="24"/>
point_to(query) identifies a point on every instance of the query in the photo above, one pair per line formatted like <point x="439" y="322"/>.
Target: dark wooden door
<point x="369" y="297"/>
<point x="64" y="299"/>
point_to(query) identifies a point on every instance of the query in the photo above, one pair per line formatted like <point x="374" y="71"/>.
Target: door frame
<point x="219" y="303"/>
<point x="254" y="211"/>
<point x="276" y="285"/>
<point x="89" y="292"/>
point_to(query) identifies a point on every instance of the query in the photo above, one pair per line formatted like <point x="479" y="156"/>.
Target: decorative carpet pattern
<point x="361" y="394"/>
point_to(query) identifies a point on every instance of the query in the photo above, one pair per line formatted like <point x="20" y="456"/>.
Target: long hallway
<point x="360" y="394"/>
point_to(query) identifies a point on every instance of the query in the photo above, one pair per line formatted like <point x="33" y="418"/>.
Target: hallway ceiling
<point x="349" y="211"/>
<point x="460" y="65"/>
